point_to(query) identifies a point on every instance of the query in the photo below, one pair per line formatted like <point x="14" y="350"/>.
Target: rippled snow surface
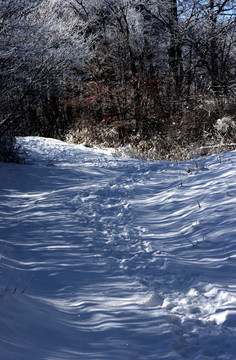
<point x="116" y="258"/>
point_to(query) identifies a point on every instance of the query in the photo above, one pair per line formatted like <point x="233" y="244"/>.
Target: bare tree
<point x="214" y="41"/>
<point x="37" y="42"/>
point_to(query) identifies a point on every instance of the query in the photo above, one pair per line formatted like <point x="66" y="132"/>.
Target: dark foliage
<point x="9" y="151"/>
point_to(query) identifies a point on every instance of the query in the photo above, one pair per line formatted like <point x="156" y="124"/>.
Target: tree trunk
<point x="175" y="50"/>
<point x="213" y="49"/>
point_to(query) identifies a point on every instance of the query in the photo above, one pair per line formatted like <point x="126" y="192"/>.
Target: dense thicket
<point x="120" y="71"/>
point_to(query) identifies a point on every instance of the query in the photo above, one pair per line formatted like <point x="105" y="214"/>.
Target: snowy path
<point x="128" y="259"/>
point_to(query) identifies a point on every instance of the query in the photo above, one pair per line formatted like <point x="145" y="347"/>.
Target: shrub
<point x="9" y="151"/>
<point x="225" y="129"/>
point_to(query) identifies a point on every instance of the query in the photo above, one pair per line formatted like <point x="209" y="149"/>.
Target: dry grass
<point x="208" y="128"/>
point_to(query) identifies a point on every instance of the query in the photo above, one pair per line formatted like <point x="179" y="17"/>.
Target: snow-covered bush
<point x="225" y="128"/>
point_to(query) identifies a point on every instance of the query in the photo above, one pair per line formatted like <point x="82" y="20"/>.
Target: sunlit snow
<point x="105" y="257"/>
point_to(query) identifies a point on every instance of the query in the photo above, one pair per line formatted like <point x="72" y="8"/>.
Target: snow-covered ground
<point x="116" y="258"/>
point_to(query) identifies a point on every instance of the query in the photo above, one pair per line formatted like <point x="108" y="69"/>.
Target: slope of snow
<point x="116" y="258"/>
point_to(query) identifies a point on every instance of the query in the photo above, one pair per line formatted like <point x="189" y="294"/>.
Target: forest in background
<point x="159" y="75"/>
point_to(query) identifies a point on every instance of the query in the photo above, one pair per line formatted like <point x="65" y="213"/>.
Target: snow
<point x="105" y="257"/>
